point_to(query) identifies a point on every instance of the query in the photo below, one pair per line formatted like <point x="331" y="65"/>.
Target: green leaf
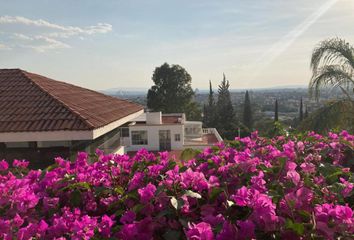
<point x="119" y="213"/>
<point x="332" y="178"/>
<point x="184" y="222"/>
<point x="305" y="215"/>
<point x="235" y="212"/>
<point x="133" y="194"/>
<point x="78" y="185"/>
<point x="298" y="228"/>
<point x="137" y="208"/>
<point x="119" y="190"/>
<point x="171" y="165"/>
<point x="165" y="212"/>
<point x="214" y="193"/>
<point x="75" y="198"/>
<point x="192" y="194"/>
<point x="172" y="235"/>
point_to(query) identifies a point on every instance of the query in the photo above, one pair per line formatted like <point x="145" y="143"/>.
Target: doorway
<point x="165" y="140"/>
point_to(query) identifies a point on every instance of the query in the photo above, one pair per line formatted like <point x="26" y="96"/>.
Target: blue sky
<point x="117" y="44"/>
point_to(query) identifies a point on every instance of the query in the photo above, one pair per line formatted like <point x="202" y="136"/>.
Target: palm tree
<point x="332" y="65"/>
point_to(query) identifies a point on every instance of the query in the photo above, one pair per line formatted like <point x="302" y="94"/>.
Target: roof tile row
<point x="30" y="102"/>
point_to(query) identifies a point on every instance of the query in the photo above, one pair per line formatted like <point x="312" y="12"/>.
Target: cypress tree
<point x="209" y="109"/>
<point x="205" y="115"/>
<point x="247" y="112"/>
<point x="276" y="117"/>
<point x="225" y="111"/>
<point x="306" y="112"/>
<point x="301" y="111"/>
<point x="211" y="95"/>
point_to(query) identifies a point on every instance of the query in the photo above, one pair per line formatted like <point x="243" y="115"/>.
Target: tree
<point x="247" y="112"/>
<point x="332" y="65"/>
<point x="306" y="112"/>
<point x="225" y="112"/>
<point x="172" y="91"/>
<point x="209" y="109"/>
<point x="193" y="111"/>
<point x="276" y="114"/>
<point x="301" y="111"/>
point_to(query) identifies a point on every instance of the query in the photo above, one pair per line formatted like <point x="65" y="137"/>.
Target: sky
<point x="117" y="44"/>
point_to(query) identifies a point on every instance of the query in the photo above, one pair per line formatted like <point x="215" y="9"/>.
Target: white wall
<point x="121" y="150"/>
<point x="153" y="136"/>
<point x="153" y="118"/>
<point x="65" y="135"/>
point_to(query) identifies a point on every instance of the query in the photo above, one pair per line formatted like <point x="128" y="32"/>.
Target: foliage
<point x="333" y="116"/>
<point x="277" y="129"/>
<point x="209" y="119"/>
<point x="301" y="111"/>
<point x="226" y="121"/>
<point x="332" y="65"/>
<point x="189" y="153"/>
<point x="193" y="112"/>
<point x="280" y="188"/>
<point x="247" y="112"/>
<point x="172" y="91"/>
<point x="276" y="111"/>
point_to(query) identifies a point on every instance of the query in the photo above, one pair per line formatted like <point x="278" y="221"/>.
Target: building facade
<point x="41" y="118"/>
<point x="165" y="132"/>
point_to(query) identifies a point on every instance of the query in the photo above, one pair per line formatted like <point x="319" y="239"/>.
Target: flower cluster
<point x="297" y="187"/>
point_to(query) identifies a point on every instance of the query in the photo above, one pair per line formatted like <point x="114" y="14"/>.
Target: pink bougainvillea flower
<point x="245" y="189"/>
<point x="128" y="217"/>
<point x="200" y="231"/>
<point x="20" y="164"/>
<point x="3" y="165"/>
<point x="147" y="193"/>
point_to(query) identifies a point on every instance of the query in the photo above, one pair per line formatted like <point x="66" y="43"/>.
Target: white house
<point x="164" y="132"/>
<point x="41" y="118"/>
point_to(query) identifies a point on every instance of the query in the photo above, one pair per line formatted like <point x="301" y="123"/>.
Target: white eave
<point x="66" y="135"/>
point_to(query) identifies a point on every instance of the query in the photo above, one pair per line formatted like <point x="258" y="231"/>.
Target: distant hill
<point x="125" y="91"/>
<point x="143" y="91"/>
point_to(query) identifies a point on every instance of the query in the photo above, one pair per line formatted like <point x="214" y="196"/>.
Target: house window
<point x="177" y="137"/>
<point x="139" y="138"/>
<point x="125" y="132"/>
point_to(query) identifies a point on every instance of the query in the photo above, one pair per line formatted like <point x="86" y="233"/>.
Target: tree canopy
<point x="209" y="119"/>
<point x="225" y="112"/>
<point x="247" y="112"/>
<point x="276" y="113"/>
<point x="172" y="91"/>
<point x="332" y="65"/>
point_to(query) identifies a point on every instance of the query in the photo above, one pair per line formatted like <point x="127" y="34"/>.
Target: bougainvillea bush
<point x="253" y="188"/>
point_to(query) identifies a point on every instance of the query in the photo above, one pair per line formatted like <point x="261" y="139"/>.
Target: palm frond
<point x="331" y="75"/>
<point x="332" y="51"/>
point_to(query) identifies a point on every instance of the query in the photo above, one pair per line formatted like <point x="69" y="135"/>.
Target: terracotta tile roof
<point x="170" y="119"/>
<point x="30" y="102"/>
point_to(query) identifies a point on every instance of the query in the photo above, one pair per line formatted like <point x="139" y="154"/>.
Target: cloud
<point x="41" y="35"/>
<point x="4" y="47"/>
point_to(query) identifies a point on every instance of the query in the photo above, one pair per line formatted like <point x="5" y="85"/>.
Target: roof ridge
<point x="24" y="73"/>
<point x="87" y="89"/>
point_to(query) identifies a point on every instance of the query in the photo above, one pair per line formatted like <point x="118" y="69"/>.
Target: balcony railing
<point x="213" y="131"/>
